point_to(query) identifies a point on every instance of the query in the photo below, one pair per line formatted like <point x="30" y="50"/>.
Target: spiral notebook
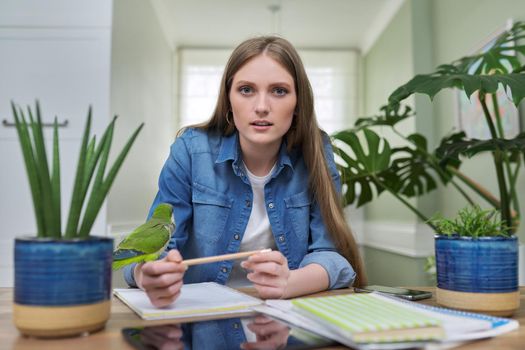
<point x="370" y="318"/>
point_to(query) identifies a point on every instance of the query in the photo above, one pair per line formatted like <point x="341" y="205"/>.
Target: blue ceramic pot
<point x="481" y="265"/>
<point x="52" y="272"/>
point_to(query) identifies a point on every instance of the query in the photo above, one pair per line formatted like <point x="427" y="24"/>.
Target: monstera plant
<point x="474" y="273"/>
<point x="411" y="170"/>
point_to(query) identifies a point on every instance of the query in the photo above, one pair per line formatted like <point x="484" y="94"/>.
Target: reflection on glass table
<point x="254" y="333"/>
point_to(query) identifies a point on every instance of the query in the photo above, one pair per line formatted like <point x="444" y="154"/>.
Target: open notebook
<point x="198" y="299"/>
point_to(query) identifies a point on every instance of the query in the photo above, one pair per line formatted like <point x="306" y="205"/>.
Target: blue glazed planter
<point x="482" y="265"/>
<point x="57" y="281"/>
<point x="479" y="275"/>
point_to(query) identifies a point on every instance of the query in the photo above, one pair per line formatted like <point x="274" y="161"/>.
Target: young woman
<point x="259" y="174"/>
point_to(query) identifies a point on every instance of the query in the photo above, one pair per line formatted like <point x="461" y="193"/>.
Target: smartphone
<point x="409" y="294"/>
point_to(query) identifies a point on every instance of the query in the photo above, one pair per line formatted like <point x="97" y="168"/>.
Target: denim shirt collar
<point x="230" y="149"/>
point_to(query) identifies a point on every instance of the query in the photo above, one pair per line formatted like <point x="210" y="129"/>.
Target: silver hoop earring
<point x="227" y="119"/>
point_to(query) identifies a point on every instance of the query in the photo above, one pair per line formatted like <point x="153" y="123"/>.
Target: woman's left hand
<point x="269" y="274"/>
<point x="269" y="334"/>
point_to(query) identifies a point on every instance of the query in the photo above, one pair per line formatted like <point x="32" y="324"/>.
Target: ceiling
<point x="306" y="23"/>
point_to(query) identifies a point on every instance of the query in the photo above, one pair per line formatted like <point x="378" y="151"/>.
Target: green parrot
<point x="147" y="241"/>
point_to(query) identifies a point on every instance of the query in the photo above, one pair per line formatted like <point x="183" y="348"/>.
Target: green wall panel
<point x="392" y="269"/>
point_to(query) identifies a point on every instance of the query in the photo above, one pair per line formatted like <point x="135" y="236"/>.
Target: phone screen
<point x="258" y="332"/>
<point x="410" y="294"/>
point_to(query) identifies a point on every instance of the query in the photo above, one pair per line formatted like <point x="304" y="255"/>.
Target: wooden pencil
<point x="234" y="256"/>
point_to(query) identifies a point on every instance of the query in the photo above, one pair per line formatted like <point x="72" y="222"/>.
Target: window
<point x="332" y="73"/>
<point x="200" y="73"/>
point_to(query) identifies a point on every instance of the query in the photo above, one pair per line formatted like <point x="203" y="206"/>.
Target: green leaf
<point x="472" y="221"/>
<point x="31" y="167"/>
<point x="451" y="139"/>
<point x="413" y="173"/>
<point x="99" y="193"/>
<point x="90" y="152"/>
<point x="101" y="167"/>
<point x="77" y="201"/>
<point x="93" y="157"/>
<point x="482" y="72"/>
<point x="45" y="187"/>
<point x="55" y="178"/>
<point x="431" y="84"/>
<point x="391" y="116"/>
<point x="362" y="170"/>
<point x="471" y="147"/>
<point x="50" y="221"/>
<point x="498" y="57"/>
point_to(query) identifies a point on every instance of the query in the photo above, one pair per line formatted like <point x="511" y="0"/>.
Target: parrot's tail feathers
<point x="117" y="265"/>
<point x="119" y="261"/>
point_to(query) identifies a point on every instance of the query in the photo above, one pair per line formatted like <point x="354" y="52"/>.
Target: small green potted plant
<point x="63" y="274"/>
<point x="370" y="166"/>
<point x="476" y="262"/>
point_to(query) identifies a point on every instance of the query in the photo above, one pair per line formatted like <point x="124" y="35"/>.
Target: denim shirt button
<point x="224" y="269"/>
<point x="281" y="238"/>
<point x="236" y="325"/>
<point x="270" y="205"/>
<point x="236" y="236"/>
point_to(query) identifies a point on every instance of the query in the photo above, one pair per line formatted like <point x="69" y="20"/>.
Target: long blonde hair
<point x="303" y="134"/>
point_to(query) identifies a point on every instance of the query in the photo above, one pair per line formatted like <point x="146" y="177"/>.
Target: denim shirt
<point x="205" y="181"/>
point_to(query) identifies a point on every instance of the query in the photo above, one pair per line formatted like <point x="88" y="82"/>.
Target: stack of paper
<point x="462" y="325"/>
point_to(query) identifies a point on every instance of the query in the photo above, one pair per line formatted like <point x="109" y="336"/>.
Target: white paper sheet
<point x="198" y="299"/>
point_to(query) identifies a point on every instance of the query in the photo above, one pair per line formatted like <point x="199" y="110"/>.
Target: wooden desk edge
<point x="122" y="316"/>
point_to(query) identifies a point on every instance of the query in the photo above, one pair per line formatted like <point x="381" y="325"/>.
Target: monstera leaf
<point x="431" y="84"/>
<point x="501" y="56"/>
<point x="446" y="142"/>
<point x="414" y="171"/>
<point x="362" y="170"/>
<point x="391" y="116"/>
<point x="483" y="72"/>
<point x="470" y="147"/>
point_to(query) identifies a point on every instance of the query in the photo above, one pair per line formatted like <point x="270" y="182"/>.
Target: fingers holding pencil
<point x="162" y="279"/>
<point x="234" y="256"/>
<point x="269" y="274"/>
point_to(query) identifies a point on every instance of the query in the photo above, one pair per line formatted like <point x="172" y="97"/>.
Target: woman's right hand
<point x="161" y="279"/>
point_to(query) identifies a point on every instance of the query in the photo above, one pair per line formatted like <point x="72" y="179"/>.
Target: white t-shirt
<point x="258" y="233"/>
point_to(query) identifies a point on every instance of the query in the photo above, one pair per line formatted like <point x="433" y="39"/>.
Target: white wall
<point x="56" y="51"/>
<point x="141" y="91"/>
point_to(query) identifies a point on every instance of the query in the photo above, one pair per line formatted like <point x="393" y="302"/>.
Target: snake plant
<point x="44" y="178"/>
